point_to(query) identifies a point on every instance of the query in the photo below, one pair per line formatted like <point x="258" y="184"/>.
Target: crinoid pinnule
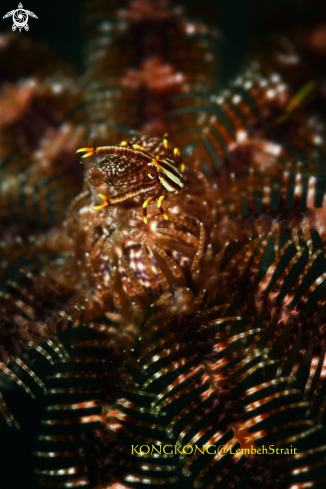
<point x="136" y="58"/>
<point x="200" y="322"/>
<point x="130" y="256"/>
<point x="39" y="132"/>
<point x="248" y="378"/>
<point x="226" y="362"/>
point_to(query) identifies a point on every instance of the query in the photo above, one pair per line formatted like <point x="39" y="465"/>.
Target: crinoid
<point x="196" y="355"/>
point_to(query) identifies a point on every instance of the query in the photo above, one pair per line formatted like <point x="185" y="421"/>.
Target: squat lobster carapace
<point x="134" y="170"/>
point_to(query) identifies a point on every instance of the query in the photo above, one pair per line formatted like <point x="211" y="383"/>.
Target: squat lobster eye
<point x="119" y="165"/>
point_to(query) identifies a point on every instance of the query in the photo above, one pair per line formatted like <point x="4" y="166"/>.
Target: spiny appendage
<point x="72" y="419"/>
<point x="148" y="270"/>
<point x="22" y="330"/>
<point x="233" y="360"/>
<point x="142" y="264"/>
<point x="22" y="198"/>
<point x="72" y="448"/>
<point x="14" y="361"/>
<point x="135" y="167"/>
<point x="225" y="120"/>
<point x="142" y="275"/>
<point x="238" y="359"/>
<point x="286" y="276"/>
<point x="288" y="188"/>
<point x="302" y="299"/>
<point x="223" y="127"/>
<point x="163" y="357"/>
<point x="149" y="79"/>
<point x="198" y="383"/>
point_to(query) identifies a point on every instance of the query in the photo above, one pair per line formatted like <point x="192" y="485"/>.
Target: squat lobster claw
<point x="132" y="165"/>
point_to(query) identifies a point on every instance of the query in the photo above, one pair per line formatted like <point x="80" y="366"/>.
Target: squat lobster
<point x="131" y="165"/>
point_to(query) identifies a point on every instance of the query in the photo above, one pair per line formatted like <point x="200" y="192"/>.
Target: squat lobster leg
<point x="159" y="199"/>
<point x="145" y="205"/>
<point x="159" y="205"/>
<point x="126" y="196"/>
<point x="176" y="153"/>
<point x="166" y="144"/>
<point x="177" y="159"/>
<point x="102" y="206"/>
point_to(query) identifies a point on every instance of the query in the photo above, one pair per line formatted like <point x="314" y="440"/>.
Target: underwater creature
<point x="129" y="166"/>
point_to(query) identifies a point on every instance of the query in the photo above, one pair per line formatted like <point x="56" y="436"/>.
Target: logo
<point x="20" y="18"/>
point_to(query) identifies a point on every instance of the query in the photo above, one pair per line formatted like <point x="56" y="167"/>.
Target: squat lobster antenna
<point x="123" y="150"/>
